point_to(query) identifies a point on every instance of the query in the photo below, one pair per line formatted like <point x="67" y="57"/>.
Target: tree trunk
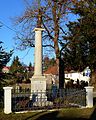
<point x="61" y="74"/>
<point x="59" y="62"/>
<point x="93" y="80"/>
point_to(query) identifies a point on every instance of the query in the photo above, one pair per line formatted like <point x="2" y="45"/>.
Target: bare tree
<point x="48" y="14"/>
<point x="53" y="14"/>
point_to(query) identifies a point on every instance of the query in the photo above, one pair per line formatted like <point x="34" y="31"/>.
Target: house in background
<point x="6" y="69"/>
<point x="73" y="75"/>
<point x="53" y="77"/>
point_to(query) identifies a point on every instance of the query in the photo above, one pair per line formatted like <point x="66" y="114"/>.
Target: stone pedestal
<point x="38" y="88"/>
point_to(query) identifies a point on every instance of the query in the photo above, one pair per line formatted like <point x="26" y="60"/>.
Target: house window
<point x="67" y="75"/>
<point x="70" y="75"/>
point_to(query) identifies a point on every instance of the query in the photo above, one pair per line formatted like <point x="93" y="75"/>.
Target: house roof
<point x="6" y="67"/>
<point x="52" y="70"/>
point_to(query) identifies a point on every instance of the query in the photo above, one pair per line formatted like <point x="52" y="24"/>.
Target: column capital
<point x="89" y="87"/>
<point x="7" y="88"/>
<point x="38" y="29"/>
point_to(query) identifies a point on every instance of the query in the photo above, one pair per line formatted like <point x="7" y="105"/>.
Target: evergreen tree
<point x="47" y="62"/>
<point x="17" y="69"/>
<point x="30" y="67"/>
<point x="4" y="59"/>
<point x="81" y="51"/>
<point x="76" y="53"/>
<point x="16" y="66"/>
<point x="4" y="56"/>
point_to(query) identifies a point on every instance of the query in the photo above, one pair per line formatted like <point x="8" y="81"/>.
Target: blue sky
<point x="8" y="10"/>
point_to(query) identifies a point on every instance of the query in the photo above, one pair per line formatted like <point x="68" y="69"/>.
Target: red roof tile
<point x="52" y="70"/>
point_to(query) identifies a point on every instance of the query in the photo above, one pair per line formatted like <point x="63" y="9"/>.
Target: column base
<point x="38" y="88"/>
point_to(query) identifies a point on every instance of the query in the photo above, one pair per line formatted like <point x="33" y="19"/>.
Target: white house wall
<point x="75" y="76"/>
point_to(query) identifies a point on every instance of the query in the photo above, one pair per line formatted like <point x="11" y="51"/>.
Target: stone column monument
<point x="38" y="81"/>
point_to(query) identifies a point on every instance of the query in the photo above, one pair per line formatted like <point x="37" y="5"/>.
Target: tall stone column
<point x="38" y="81"/>
<point x="38" y="52"/>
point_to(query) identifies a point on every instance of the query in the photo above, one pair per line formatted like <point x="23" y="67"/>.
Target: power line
<point x="2" y="23"/>
<point x="26" y="53"/>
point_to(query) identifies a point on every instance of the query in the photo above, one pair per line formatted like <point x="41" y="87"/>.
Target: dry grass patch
<point x="64" y="114"/>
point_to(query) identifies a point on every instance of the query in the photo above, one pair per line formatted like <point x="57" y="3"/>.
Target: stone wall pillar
<point x="7" y="100"/>
<point x="89" y="96"/>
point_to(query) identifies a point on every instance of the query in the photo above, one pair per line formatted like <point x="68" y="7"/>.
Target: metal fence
<point x="1" y="99"/>
<point x="25" y="99"/>
<point x="1" y="103"/>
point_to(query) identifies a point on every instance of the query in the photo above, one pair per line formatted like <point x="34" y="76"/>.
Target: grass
<point x="64" y="114"/>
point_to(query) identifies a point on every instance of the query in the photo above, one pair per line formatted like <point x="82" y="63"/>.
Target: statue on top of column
<point x="39" y="19"/>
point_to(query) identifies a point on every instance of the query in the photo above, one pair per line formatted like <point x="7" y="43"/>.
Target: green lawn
<point x="64" y="114"/>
